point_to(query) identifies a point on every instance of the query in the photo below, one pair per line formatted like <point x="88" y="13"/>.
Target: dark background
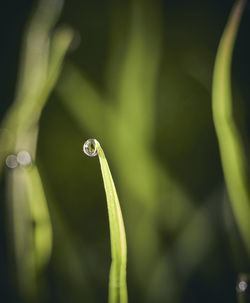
<point x="184" y="144"/>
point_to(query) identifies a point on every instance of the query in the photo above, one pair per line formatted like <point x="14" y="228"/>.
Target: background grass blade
<point x="117" y="277"/>
<point x="35" y="84"/>
<point x="230" y="142"/>
<point x="29" y="220"/>
<point x="42" y="233"/>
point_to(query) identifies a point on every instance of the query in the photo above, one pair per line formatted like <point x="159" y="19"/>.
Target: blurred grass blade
<point x="20" y="233"/>
<point x="42" y="233"/>
<point x="117" y="278"/>
<point x="140" y="69"/>
<point x="30" y="227"/>
<point x="36" y="48"/>
<point x="30" y="110"/>
<point x="44" y="50"/>
<point x="76" y="92"/>
<point x="230" y="143"/>
<point x="35" y="84"/>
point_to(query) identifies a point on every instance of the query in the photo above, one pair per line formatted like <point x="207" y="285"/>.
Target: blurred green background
<point x="137" y="76"/>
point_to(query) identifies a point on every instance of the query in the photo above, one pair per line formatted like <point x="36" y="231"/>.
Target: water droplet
<point x="24" y="158"/>
<point x="90" y="147"/>
<point x="11" y="161"/>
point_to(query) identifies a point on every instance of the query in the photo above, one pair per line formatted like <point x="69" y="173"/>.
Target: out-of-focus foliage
<point x="140" y="82"/>
<point x="231" y="147"/>
<point x="29" y="226"/>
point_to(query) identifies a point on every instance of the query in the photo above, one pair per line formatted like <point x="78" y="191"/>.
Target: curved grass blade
<point x="30" y="228"/>
<point x="20" y="234"/>
<point x="29" y="222"/>
<point x="117" y="278"/>
<point x="230" y="143"/>
<point x="35" y="84"/>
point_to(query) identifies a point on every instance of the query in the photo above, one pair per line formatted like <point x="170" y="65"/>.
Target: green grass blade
<point x="139" y="69"/>
<point x="76" y="93"/>
<point x="117" y="278"/>
<point x="41" y="62"/>
<point x="20" y="233"/>
<point x="230" y="143"/>
<point x="42" y="233"/>
<point x="35" y="85"/>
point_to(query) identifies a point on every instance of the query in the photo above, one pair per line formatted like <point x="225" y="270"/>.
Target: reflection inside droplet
<point x="11" y="161"/>
<point x="90" y="147"/>
<point x="24" y="158"/>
